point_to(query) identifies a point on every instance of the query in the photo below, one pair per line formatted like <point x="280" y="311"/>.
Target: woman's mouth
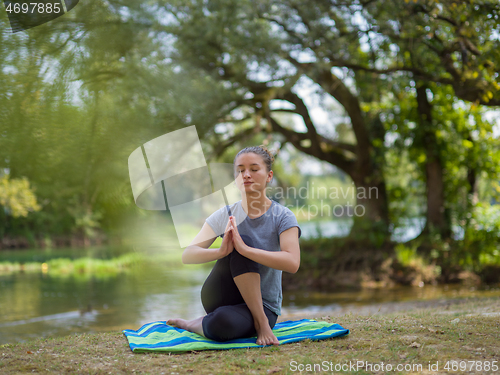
<point x="247" y="183"/>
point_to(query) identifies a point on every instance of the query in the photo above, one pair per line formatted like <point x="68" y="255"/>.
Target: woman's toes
<point x="179" y="323"/>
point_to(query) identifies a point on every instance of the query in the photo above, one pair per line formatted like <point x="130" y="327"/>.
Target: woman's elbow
<point x="185" y="258"/>
<point x="294" y="267"/>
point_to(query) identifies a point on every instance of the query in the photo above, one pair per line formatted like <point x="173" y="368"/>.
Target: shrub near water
<point x="416" y="267"/>
<point x="81" y="266"/>
<point x="16" y="266"/>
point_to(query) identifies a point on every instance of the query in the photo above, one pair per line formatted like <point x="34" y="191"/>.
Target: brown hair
<point x="259" y="150"/>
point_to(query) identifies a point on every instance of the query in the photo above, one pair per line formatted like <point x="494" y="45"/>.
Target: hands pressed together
<point x="232" y="239"/>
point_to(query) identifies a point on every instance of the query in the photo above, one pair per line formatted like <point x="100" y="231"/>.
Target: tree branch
<point x="336" y="88"/>
<point x="342" y="145"/>
<point x="332" y="156"/>
<point x="219" y="149"/>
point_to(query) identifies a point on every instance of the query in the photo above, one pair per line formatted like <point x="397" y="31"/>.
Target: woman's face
<point x="251" y="173"/>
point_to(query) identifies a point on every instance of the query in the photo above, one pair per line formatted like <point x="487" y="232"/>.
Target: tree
<point x="453" y="141"/>
<point x="356" y="51"/>
<point x="441" y="44"/>
<point x="450" y="42"/>
<point x="256" y="53"/>
<point x="77" y="96"/>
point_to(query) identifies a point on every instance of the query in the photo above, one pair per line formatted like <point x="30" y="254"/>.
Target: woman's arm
<point x="288" y="259"/>
<point x="198" y="250"/>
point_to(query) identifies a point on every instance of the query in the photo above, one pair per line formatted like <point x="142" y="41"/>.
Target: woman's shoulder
<point x="222" y="211"/>
<point x="282" y="215"/>
<point x="218" y="219"/>
<point x="281" y="210"/>
<point x="285" y="218"/>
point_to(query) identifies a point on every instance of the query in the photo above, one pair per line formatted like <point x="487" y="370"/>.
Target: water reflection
<point x="34" y="305"/>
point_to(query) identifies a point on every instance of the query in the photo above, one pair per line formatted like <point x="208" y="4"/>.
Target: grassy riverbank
<point x="463" y="330"/>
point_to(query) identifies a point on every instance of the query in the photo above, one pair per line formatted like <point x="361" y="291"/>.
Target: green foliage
<point x="85" y="267"/>
<point x="16" y="197"/>
<point x="86" y="222"/>
<point x="465" y="146"/>
<point x="405" y="186"/>
<point x="92" y="266"/>
<point x="70" y="129"/>
<point x="405" y="255"/>
<point x="481" y="243"/>
<point x="409" y="261"/>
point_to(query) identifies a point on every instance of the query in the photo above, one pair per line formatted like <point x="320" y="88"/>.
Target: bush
<point x="481" y="243"/>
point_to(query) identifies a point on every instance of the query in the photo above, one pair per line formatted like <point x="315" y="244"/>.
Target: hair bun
<point x="268" y="152"/>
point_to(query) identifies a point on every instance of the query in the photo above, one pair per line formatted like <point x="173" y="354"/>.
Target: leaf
<point x="467" y="144"/>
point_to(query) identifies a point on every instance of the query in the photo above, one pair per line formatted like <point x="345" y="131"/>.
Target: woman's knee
<point x="240" y="264"/>
<point x="220" y="290"/>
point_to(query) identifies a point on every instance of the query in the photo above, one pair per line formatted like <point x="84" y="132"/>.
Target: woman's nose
<point x="246" y="173"/>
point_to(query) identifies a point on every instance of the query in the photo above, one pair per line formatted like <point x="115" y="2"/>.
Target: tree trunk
<point x="437" y="216"/>
<point x="472" y="193"/>
<point x="373" y="218"/>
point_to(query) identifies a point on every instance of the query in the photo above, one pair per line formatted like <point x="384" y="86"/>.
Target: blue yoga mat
<point x="160" y="337"/>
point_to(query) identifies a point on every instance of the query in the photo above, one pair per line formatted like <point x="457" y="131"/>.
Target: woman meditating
<point x="242" y="295"/>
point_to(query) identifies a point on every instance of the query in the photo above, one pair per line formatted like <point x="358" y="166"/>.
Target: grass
<point x="462" y="330"/>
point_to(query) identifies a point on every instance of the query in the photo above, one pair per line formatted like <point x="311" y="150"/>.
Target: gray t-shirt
<point x="264" y="231"/>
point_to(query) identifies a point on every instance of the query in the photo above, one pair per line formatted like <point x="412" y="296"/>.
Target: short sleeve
<point x="218" y="221"/>
<point x="287" y="220"/>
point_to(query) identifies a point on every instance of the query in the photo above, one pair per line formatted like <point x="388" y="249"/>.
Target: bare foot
<point x="265" y="335"/>
<point x="189" y="325"/>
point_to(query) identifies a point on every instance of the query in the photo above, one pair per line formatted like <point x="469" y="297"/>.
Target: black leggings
<point x="228" y="317"/>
